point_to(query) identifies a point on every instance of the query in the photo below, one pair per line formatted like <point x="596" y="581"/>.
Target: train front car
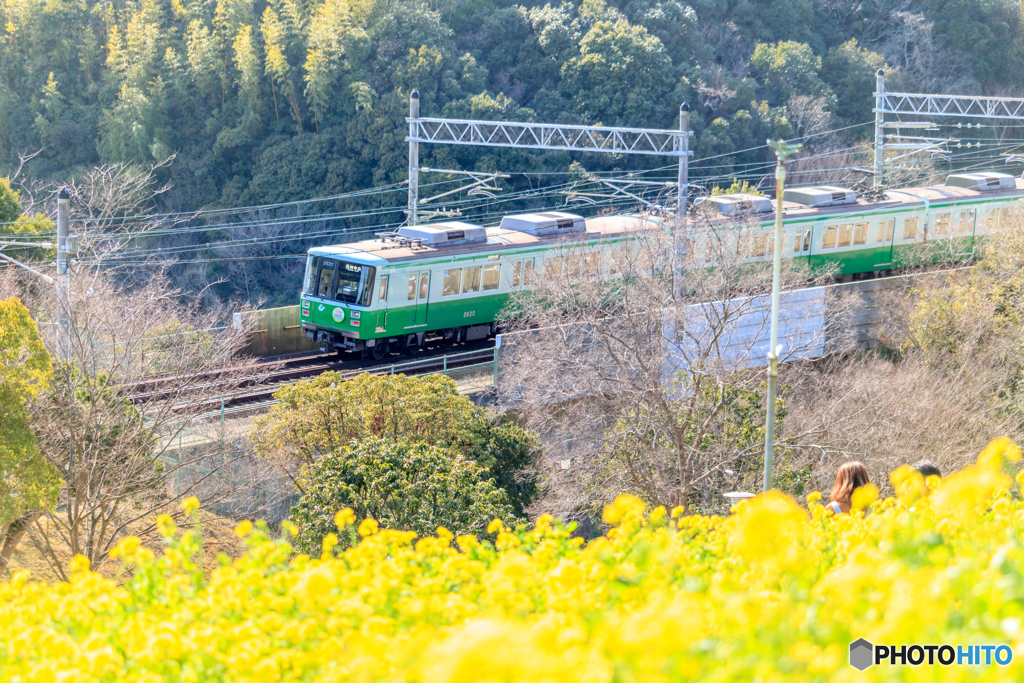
<point x="338" y="304"/>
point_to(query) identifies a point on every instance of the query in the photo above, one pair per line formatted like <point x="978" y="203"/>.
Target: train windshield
<point x="355" y="283"/>
<point x="349" y="283"/>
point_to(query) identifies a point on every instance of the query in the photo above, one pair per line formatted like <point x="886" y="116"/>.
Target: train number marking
<point x="469" y="314"/>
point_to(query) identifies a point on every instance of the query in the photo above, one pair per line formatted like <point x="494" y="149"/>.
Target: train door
<point x="382" y="304"/>
<point x="418" y="292"/>
<point x="883" y="252"/>
<point x="969" y="218"/>
<point x="802" y="243"/>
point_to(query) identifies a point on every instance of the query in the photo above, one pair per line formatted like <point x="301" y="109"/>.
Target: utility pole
<point x="684" y="160"/>
<point x="63" y="276"/>
<point x="414" y="156"/>
<point x="879" y="125"/>
<point x="783" y="151"/>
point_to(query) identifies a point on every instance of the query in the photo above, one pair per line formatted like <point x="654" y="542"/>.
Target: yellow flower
<point x="494" y="527"/>
<point x="368" y="527"/>
<point x="678" y="511"/>
<point x="864" y="496"/>
<point x="344" y="518"/>
<point x="243" y="529"/>
<point x="190" y="505"/>
<point x="657" y="515"/>
<point x="623" y="507"/>
<point x="165" y="524"/>
<point x="330" y="540"/>
<point x="126" y="548"/>
<point x="79" y="564"/>
<point x="997" y="452"/>
<point x="19" y="577"/>
<point x="813" y="497"/>
<point x="770" y="527"/>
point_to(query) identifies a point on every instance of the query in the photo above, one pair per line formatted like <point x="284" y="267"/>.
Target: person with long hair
<point x="850" y="477"/>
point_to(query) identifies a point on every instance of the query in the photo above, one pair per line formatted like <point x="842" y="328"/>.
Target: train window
<point x="845" y="235"/>
<point x="885" y="228"/>
<point x="553" y="268"/>
<point x="527" y="271"/>
<point x="860" y="233"/>
<point x="796" y="243"/>
<point x="326" y="278"/>
<point x="959" y="222"/>
<point x="471" y="280"/>
<point x="968" y="225"/>
<point x="492" y="276"/>
<point x="354" y="283"/>
<point x="311" y="265"/>
<point x="383" y="288"/>
<point x="366" y="287"/>
<point x="910" y="228"/>
<point x="424" y="285"/>
<point x="828" y="240"/>
<point x="1006" y="216"/>
<point x="807" y="240"/>
<point x="591" y="264"/>
<point x="755" y="245"/>
<point x="411" y="294"/>
<point x="990" y="220"/>
<point x="517" y="273"/>
<point x="452" y="282"/>
<point x="942" y="224"/>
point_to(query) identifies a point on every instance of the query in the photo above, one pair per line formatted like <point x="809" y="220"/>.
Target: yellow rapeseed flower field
<point x="775" y="592"/>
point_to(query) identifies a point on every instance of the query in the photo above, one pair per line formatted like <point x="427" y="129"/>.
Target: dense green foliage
<point x="412" y="487"/>
<point x="266" y="102"/>
<point x="28" y="484"/>
<point x="323" y="415"/>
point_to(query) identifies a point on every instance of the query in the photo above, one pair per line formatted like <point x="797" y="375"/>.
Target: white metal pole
<point x="773" y="355"/>
<point x="879" y="125"/>
<point x="782" y="151"/>
<point x="684" y="160"/>
<point x="414" y="156"/>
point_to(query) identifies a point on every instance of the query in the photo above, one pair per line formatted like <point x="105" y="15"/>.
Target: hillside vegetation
<point x="269" y="102"/>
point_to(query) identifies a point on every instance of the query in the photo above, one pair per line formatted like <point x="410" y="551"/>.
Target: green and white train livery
<point x="451" y="279"/>
<point x="831" y="225"/>
<point x="447" y="279"/>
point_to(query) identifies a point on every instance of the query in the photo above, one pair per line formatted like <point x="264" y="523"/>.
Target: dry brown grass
<point x="218" y="537"/>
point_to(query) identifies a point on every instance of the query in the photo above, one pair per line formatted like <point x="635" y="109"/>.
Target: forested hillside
<point x="267" y="102"/>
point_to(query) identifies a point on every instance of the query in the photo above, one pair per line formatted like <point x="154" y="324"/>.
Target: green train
<point x="451" y="279"/>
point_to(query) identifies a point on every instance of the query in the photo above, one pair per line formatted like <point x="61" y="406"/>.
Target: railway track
<point x="281" y="373"/>
<point x="426" y="365"/>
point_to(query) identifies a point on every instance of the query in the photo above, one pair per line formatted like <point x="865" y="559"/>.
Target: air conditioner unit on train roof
<point x="547" y="223"/>
<point x="982" y="181"/>
<point x="731" y="204"/>
<point x="440" y="234"/>
<point x="823" y="195"/>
